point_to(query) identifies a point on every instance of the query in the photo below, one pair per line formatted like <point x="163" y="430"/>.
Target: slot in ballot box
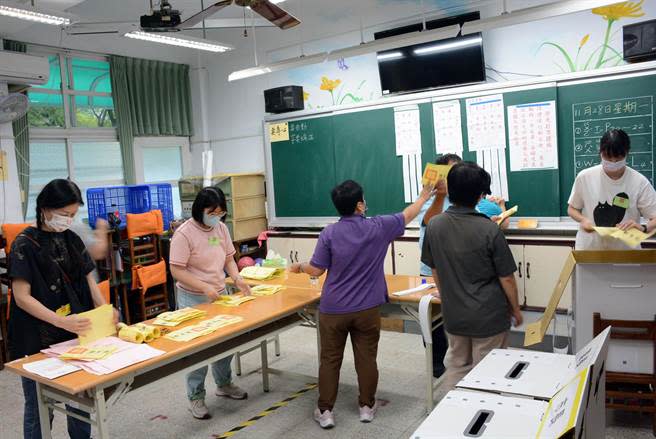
<point x="476" y="414"/>
<point x="541" y="376"/>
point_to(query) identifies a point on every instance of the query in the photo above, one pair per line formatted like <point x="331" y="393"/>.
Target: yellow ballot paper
<point x="102" y="324"/>
<point x="434" y="173"/>
<point x="631" y="237"/>
<point x="205" y="327"/>
<point x="260" y="273"/>
<point x="233" y="299"/>
<point x="507" y="214"/>
<point x="90" y="353"/>
<point x="266" y="290"/>
<point x="174" y="318"/>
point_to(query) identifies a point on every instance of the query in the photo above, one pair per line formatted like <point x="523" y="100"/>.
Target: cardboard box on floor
<point x="541" y="376"/>
<point x="476" y="414"/>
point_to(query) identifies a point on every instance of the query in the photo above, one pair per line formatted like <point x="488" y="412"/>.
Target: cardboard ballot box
<point x="541" y="376"/>
<point x="476" y="414"/>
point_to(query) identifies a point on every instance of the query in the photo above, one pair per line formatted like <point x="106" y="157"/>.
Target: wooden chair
<point x="144" y="238"/>
<point x="9" y="233"/>
<point x="635" y="392"/>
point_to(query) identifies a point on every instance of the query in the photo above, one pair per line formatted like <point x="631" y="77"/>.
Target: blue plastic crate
<point x="161" y="198"/>
<point x="124" y="199"/>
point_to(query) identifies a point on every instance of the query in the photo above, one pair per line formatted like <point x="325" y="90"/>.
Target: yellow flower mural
<point x="620" y="10"/>
<point x="611" y="14"/>
<point x="330" y="85"/>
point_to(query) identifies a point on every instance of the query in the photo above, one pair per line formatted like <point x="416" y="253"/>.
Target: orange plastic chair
<point x="105" y="290"/>
<point x="10" y="233"/>
<point x="144" y="232"/>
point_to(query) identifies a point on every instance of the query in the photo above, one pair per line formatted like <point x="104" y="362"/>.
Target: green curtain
<point x="151" y="98"/>
<point x="21" y="138"/>
<point x="121" y="96"/>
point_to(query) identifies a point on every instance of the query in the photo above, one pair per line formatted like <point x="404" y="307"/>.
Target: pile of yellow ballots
<point x="266" y="290"/>
<point x="232" y="300"/>
<point x="84" y="353"/>
<point x="260" y="273"/>
<point x="138" y="333"/>
<point x="174" y="318"/>
<point x="203" y="328"/>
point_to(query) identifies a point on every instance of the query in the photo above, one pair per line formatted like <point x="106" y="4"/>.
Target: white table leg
<point x="44" y="413"/>
<point x="277" y="345"/>
<point x="265" y="365"/>
<point x="237" y="363"/>
<point x="101" y="413"/>
<point x="429" y="377"/>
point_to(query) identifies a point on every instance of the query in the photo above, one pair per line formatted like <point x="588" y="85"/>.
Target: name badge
<point x="214" y="241"/>
<point x="621" y="202"/>
<point x="65" y="310"/>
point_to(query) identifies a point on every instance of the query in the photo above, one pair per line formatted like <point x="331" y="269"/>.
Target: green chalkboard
<point x="304" y="169"/>
<point x="586" y="111"/>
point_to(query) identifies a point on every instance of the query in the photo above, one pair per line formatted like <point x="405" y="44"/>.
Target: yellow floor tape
<point x="266" y="412"/>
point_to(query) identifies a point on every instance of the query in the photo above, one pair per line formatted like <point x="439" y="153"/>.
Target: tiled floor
<point x="160" y="410"/>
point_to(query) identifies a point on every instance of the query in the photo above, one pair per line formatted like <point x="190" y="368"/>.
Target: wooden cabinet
<point x="407" y="256"/>
<point x="538" y="268"/>
<point x="301" y="249"/>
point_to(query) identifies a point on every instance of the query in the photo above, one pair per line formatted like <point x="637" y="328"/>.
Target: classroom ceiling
<point x="321" y="19"/>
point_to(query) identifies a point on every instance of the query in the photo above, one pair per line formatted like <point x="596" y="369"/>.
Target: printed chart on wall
<point x="633" y="115"/>
<point x="533" y="139"/>
<point x="407" y="130"/>
<point x="486" y="135"/>
<point x="448" y="127"/>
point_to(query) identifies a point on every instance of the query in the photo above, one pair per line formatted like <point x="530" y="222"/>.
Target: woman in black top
<point x="52" y="282"/>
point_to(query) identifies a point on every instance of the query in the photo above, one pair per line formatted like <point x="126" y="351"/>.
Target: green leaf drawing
<point x="568" y="58"/>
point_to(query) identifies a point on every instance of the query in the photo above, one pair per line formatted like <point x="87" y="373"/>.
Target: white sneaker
<point x="231" y="391"/>
<point x="326" y="419"/>
<point x="198" y="409"/>
<point x="367" y="414"/>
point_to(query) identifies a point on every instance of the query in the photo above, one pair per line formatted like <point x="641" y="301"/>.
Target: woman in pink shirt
<point x="201" y="253"/>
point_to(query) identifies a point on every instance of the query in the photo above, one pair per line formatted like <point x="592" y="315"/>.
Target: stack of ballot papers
<point x="174" y="318"/>
<point x="631" y="237"/>
<point x="232" y="299"/>
<point x="260" y="273"/>
<point x="88" y="353"/>
<point x="205" y="327"/>
<point x="266" y="290"/>
<point x="126" y="354"/>
<point x="102" y="324"/>
<point x="50" y="368"/>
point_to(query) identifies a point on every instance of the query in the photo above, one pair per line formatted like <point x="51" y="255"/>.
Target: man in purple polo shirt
<point x="353" y="251"/>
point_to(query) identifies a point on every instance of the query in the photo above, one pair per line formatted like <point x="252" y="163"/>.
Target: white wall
<point x="236" y="109"/>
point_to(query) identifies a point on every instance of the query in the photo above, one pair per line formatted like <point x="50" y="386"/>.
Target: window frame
<point x="141" y="143"/>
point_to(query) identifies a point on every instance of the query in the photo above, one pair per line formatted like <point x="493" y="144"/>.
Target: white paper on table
<point x="448" y="127"/>
<point x="532" y="136"/>
<point x="486" y="125"/>
<point x="50" y="368"/>
<point x="126" y="355"/>
<point x="407" y="130"/>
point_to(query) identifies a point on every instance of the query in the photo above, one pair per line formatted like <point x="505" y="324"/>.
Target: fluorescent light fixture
<point x="38" y="16"/>
<point x="441" y="47"/>
<point x="520" y="16"/>
<point x="190" y="42"/>
<point x="381" y="45"/>
<point x="389" y="56"/>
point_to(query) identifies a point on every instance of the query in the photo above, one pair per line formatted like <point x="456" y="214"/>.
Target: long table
<point x="263" y="318"/>
<point x="399" y="307"/>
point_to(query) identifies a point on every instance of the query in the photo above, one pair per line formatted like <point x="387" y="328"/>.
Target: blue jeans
<point x="221" y="369"/>
<point x="31" y="425"/>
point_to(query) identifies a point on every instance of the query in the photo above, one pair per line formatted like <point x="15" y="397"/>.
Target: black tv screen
<point x="443" y="63"/>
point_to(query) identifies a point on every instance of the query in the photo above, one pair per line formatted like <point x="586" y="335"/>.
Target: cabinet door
<point x="518" y="253"/>
<point x="283" y="246"/>
<point x="543" y="267"/>
<point x="407" y="257"/>
<point x="304" y="249"/>
<point x="389" y="264"/>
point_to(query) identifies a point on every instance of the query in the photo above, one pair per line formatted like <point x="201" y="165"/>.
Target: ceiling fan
<point x="168" y="19"/>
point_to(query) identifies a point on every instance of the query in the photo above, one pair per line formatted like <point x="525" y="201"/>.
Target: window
<point x="78" y="94"/>
<point x="162" y="160"/>
<point x="72" y="122"/>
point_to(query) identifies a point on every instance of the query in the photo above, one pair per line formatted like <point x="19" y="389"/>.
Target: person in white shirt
<point x="611" y="195"/>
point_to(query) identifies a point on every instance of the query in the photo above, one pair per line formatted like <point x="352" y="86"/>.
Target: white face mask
<point x="59" y="223"/>
<point x="613" y="166"/>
